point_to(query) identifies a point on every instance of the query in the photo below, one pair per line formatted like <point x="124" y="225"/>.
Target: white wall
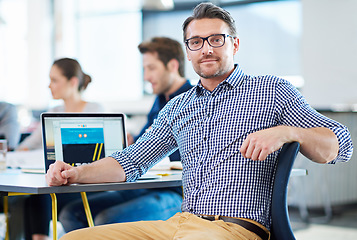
<point x="322" y="47"/>
<point x="25" y="50"/>
<point x="323" y="50"/>
<point x="329" y="43"/>
<point x="39" y="39"/>
<point x="270" y="36"/>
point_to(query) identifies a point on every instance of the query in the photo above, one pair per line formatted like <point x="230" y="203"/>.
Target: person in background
<point x="229" y="129"/>
<point x="9" y="129"/>
<point x="67" y="82"/>
<point x="163" y="62"/>
<point x="9" y="126"/>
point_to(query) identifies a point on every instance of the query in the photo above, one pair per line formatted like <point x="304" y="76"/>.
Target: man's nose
<point x="206" y="48"/>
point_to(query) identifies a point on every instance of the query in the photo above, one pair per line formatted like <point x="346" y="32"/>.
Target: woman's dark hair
<point x="209" y="10"/>
<point x="71" y="68"/>
<point x="166" y="49"/>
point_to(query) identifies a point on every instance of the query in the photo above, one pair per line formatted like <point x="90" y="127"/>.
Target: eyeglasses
<point x="215" y="40"/>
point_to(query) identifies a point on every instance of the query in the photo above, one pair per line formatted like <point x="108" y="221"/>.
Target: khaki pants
<point x="181" y="226"/>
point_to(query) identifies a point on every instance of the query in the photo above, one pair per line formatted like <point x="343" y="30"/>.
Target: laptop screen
<point x="81" y="138"/>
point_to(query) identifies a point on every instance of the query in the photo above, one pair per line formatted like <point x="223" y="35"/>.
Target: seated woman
<point x="68" y="81"/>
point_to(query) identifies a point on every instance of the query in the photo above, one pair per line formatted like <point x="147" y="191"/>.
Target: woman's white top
<point x="34" y="141"/>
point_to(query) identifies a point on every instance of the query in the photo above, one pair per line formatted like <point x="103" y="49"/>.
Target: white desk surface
<point x="13" y="180"/>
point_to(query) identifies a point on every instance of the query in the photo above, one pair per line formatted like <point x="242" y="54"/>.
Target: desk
<point x="18" y="182"/>
<point x="14" y="182"/>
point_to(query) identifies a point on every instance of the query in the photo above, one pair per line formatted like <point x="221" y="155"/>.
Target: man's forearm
<point x="103" y="170"/>
<point x="318" y="144"/>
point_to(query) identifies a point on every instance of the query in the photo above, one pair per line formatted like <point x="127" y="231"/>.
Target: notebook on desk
<point x="81" y="138"/>
<point x="28" y="161"/>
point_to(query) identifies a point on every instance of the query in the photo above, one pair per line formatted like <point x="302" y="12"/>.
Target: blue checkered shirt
<point x="209" y="127"/>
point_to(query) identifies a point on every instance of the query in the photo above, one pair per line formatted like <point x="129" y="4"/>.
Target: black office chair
<point x="281" y="228"/>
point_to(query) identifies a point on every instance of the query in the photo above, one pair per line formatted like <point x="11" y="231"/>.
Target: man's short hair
<point x="167" y="49"/>
<point x="209" y="10"/>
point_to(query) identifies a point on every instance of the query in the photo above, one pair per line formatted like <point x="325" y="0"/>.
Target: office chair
<point x="281" y="228"/>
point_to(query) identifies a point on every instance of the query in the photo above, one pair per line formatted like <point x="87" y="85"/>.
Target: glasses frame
<point x="206" y="39"/>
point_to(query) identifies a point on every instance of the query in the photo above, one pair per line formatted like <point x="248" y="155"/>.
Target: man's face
<point x="156" y="73"/>
<point x="209" y="62"/>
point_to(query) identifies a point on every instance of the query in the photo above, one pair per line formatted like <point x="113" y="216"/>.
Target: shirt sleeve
<point x="294" y="110"/>
<point x="149" y="149"/>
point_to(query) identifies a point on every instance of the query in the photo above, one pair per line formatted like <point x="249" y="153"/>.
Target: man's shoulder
<point x="183" y="97"/>
<point x="266" y="80"/>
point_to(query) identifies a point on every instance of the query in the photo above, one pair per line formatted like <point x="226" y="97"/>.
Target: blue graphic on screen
<point x="82" y="145"/>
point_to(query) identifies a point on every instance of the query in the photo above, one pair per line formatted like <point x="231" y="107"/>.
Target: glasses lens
<point x="195" y="43"/>
<point x="216" y="40"/>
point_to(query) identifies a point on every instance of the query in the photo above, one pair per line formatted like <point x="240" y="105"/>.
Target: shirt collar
<point x="234" y="80"/>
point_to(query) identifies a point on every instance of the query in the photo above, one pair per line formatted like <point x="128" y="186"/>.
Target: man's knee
<point x="77" y="234"/>
<point x="111" y="231"/>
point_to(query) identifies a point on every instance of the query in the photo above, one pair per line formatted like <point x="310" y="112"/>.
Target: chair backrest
<point x="281" y="228"/>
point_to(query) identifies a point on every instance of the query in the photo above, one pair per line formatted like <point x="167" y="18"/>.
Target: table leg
<point x="87" y="209"/>
<point x="6" y="212"/>
<point x="54" y="215"/>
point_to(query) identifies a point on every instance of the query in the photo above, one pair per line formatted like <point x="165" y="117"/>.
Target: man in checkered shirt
<point x="228" y="129"/>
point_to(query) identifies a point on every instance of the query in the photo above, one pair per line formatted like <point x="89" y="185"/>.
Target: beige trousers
<point x="181" y="226"/>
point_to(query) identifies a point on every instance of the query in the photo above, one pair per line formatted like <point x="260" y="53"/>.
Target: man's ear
<point x="188" y="55"/>
<point x="235" y="45"/>
<point x="173" y="65"/>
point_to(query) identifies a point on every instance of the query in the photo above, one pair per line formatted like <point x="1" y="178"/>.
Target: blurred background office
<point x="312" y="43"/>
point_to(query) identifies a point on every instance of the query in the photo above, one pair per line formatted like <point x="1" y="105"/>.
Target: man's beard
<point x="219" y="71"/>
<point x="216" y="74"/>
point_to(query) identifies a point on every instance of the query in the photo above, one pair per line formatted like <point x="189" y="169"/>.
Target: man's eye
<point x="216" y="40"/>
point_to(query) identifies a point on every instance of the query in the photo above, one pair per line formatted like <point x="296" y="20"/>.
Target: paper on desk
<point x="32" y="159"/>
<point x="164" y="164"/>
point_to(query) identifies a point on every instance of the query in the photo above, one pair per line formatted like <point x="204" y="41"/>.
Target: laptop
<point x="81" y="138"/>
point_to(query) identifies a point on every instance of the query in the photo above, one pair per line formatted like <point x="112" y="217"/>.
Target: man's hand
<point x="104" y="170"/>
<point x="258" y="145"/>
<point x="60" y="173"/>
<point x="130" y="138"/>
<point x="318" y="144"/>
